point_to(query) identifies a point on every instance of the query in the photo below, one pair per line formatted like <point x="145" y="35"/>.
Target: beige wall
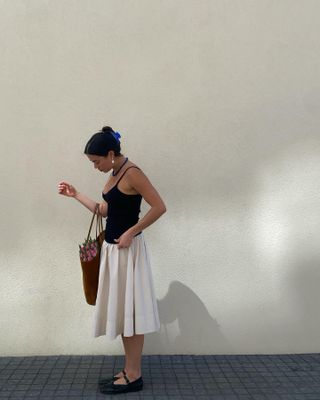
<point x="218" y="102"/>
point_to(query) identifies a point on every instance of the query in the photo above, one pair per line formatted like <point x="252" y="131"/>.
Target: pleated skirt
<point x="126" y="302"/>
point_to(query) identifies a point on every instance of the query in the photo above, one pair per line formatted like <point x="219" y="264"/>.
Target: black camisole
<point x="123" y="211"/>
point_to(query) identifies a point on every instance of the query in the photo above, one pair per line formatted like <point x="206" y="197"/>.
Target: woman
<point x="126" y="302"/>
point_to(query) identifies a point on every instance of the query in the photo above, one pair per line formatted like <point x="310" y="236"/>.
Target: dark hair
<point x="102" y="142"/>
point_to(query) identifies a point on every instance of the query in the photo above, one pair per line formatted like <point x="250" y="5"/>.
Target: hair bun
<point x="107" y="129"/>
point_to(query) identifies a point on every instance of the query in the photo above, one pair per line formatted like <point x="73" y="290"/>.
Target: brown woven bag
<point x="90" y="269"/>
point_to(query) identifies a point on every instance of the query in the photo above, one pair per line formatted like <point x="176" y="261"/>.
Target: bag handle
<point x="94" y="214"/>
<point x="99" y="226"/>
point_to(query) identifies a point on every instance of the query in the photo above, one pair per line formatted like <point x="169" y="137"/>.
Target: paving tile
<point x="174" y="377"/>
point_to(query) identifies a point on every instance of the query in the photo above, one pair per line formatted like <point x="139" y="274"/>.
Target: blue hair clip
<point x="117" y="136"/>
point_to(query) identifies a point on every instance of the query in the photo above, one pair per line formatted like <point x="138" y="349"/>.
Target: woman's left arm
<point x="139" y="181"/>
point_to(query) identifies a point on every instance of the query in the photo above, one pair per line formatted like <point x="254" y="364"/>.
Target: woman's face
<point x="103" y="164"/>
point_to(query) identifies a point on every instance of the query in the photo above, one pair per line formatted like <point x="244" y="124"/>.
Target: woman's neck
<point x="118" y="162"/>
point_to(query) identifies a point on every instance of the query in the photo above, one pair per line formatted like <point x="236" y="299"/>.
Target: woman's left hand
<point x="124" y="240"/>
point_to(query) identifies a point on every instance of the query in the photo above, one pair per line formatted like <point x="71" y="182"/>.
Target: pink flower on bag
<point x="88" y="249"/>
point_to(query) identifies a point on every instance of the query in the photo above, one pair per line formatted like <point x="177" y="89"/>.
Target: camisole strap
<point x="132" y="166"/>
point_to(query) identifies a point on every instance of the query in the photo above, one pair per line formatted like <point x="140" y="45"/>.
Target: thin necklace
<point x="114" y="174"/>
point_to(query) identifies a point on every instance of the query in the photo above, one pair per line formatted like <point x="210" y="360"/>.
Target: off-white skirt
<point x="126" y="302"/>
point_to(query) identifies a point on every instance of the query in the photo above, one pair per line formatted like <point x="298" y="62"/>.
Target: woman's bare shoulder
<point x="132" y="164"/>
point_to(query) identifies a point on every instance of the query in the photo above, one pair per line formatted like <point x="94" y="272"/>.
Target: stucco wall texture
<point x="218" y="102"/>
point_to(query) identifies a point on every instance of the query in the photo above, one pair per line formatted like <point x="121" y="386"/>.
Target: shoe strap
<point x="124" y="372"/>
<point x="126" y="378"/>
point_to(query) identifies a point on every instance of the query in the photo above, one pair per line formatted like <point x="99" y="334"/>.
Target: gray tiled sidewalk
<point x="257" y="377"/>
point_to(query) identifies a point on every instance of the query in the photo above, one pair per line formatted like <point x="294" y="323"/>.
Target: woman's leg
<point x="133" y="346"/>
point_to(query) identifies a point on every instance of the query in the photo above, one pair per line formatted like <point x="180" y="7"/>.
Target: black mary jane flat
<point x="111" y="388"/>
<point x="111" y="379"/>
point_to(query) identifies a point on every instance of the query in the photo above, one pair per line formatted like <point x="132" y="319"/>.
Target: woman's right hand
<point x="66" y="189"/>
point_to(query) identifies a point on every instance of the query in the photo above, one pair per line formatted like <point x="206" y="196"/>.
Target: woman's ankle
<point x="134" y="372"/>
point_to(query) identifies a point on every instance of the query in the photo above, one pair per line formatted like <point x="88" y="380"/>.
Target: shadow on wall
<point x="185" y="325"/>
<point x="303" y="295"/>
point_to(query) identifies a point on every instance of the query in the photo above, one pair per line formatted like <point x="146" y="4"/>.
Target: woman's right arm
<point x="90" y="204"/>
<point x="70" y="191"/>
